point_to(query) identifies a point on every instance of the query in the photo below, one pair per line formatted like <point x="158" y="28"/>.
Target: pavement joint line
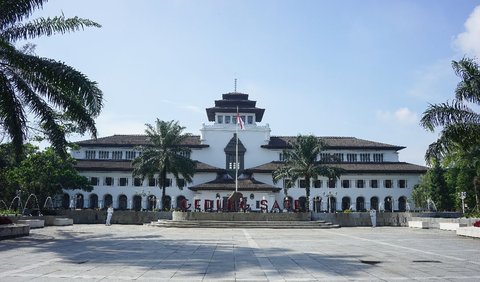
<point x="29" y="267"/>
<point x="265" y="264"/>
<point x="401" y="247"/>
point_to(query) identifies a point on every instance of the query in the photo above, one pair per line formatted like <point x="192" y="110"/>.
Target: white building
<point x="374" y="178"/>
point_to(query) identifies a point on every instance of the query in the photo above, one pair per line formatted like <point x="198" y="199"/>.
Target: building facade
<point x="374" y="177"/>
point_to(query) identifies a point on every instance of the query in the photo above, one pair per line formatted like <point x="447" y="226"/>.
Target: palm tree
<point x="165" y="155"/>
<point x="51" y="93"/>
<point x="461" y="124"/>
<point x="301" y="162"/>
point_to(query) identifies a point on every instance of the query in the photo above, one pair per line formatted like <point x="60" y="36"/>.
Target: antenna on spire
<point x="235" y="90"/>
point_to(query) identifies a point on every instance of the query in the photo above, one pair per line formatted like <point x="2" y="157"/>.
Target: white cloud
<point x="433" y="81"/>
<point x="402" y="115"/>
<point x="190" y="108"/>
<point x="469" y="40"/>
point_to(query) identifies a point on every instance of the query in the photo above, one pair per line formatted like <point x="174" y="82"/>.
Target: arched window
<point x="122" y="202"/>
<point x="402" y="204"/>
<point x="288" y="203"/>
<point x="388" y="204"/>
<point x="151" y="202"/>
<point x="93" y="201"/>
<point x="107" y="200"/>
<point x="360" y="206"/>
<point x="302" y="204"/>
<point x="66" y="201"/>
<point x="345" y="203"/>
<point x="168" y="203"/>
<point x="180" y="199"/>
<point x="79" y="201"/>
<point x="374" y="203"/>
<point x="137" y="203"/>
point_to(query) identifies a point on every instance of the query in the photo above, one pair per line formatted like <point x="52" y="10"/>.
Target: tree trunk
<point x="307" y="192"/>
<point x="163" y="183"/>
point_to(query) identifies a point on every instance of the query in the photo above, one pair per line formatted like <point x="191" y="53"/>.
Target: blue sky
<point x="366" y="69"/>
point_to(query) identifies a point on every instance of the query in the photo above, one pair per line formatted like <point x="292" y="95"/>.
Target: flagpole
<point x="236" y="155"/>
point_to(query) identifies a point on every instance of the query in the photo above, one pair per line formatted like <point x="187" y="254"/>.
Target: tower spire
<point x="235" y="89"/>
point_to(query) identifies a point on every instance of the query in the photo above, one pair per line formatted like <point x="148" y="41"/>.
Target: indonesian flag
<point x="240" y="121"/>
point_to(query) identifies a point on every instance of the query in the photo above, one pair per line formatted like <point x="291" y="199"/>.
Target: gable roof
<point x="283" y="142"/>
<point x="126" y="165"/>
<point x="192" y="141"/>
<point x="384" y="167"/>
<point x="224" y="182"/>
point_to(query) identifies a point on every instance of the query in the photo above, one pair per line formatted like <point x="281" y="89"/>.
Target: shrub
<point x="5" y="220"/>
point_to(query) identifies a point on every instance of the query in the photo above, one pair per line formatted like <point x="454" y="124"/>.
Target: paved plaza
<point x="131" y="252"/>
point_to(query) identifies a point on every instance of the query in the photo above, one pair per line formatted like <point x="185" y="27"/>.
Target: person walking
<point x="373" y="217"/>
<point x="109" y="215"/>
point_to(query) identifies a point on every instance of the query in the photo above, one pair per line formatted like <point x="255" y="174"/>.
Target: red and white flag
<point x="240" y="121"/>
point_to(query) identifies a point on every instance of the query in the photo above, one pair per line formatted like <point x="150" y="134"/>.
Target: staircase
<point x="243" y="224"/>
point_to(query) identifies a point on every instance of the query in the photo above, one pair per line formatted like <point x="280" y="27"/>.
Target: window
<point x="287" y="183"/>
<point x="103" y="155"/>
<point x="346" y="183"/>
<point x="250" y="119"/>
<point x="317" y="183"/>
<point x="325" y="157"/>
<point x="94" y="181"/>
<point x="243" y="119"/>
<point x="402" y="183"/>
<point x="181" y="183"/>
<point x="351" y="158"/>
<point x="137" y="181"/>
<point x="365" y="158"/>
<point x="231" y="161"/>
<point x="378" y="158"/>
<point x="168" y="182"/>
<point x="281" y="157"/>
<point x="90" y="154"/>
<point x="185" y="154"/>
<point x="227" y="119"/>
<point x="332" y="183"/>
<point x="117" y="155"/>
<point x="374" y="183"/>
<point x="388" y="183"/>
<point x="302" y="183"/>
<point x="360" y="183"/>
<point x="152" y="182"/>
<point x="108" y="181"/>
<point x="220" y="119"/>
<point x="338" y="157"/>
<point x="123" y="181"/>
<point x="130" y="155"/>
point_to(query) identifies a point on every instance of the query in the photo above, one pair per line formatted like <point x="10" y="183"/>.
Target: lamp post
<point x="463" y="195"/>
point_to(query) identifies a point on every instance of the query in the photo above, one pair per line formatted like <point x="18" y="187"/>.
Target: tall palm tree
<point x="461" y="124"/>
<point x="301" y="162"/>
<point x="50" y="93"/>
<point x="165" y="155"/>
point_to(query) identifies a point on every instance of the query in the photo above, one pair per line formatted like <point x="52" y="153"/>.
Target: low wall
<point x="14" y="230"/>
<point x="119" y="217"/>
<point x="363" y="218"/>
<point x="235" y="216"/>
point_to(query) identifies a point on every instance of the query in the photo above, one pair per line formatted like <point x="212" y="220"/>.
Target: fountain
<point x="380" y="207"/>
<point x="19" y="205"/>
<point x="407" y="207"/>
<point x="430" y="202"/>
<point x="25" y="210"/>
<point x="47" y="201"/>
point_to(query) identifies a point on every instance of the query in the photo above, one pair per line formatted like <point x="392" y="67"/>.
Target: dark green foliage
<point x="56" y="95"/>
<point x="42" y="173"/>
<point x="458" y="147"/>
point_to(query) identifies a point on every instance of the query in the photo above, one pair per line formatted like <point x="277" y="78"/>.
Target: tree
<point x="45" y="173"/>
<point x="460" y="122"/>
<point x="166" y="154"/>
<point x="54" y="93"/>
<point x="301" y="162"/>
